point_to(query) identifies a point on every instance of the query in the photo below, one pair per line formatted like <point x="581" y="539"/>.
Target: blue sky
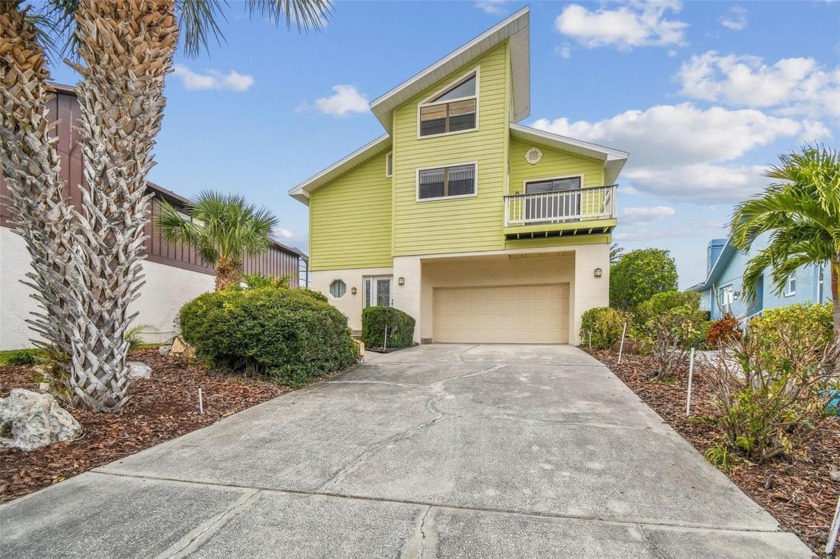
<point x="704" y="95"/>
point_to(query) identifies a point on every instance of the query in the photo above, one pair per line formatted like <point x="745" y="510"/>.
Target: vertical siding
<point x="64" y="107"/>
<point x="350" y="219"/>
<point x="463" y="224"/>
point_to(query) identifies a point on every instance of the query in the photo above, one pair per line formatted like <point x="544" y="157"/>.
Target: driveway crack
<point x="423" y="543"/>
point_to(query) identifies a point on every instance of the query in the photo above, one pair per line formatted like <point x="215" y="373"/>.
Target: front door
<point x="378" y="291"/>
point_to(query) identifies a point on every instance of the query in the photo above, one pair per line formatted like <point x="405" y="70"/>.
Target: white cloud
<point x="564" y="50"/>
<point x="646" y="214"/>
<point x="212" y="79"/>
<point x="284" y="233"/>
<point x="492" y="7"/>
<point x="346" y="99"/>
<point x="634" y="24"/>
<point x="682" y="152"/>
<point x="790" y="86"/>
<point x="735" y="19"/>
<point x="629" y="190"/>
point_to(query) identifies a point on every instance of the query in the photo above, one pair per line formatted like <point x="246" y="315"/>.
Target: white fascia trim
<point x="461" y="52"/>
<point x="302" y="190"/>
<point x="599" y="152"/>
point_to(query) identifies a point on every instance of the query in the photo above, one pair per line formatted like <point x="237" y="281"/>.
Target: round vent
<point x="533" y="156"/>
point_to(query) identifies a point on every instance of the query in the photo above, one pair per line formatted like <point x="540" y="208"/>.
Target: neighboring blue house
<point x="723" y="291"/>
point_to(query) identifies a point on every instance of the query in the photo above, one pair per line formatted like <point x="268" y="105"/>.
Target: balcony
<point x="552" y="214"/>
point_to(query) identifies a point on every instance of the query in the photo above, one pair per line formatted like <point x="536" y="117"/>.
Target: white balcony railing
<point x="583" y="204"/>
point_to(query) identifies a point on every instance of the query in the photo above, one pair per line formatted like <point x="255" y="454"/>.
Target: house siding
<point x="462" y="224"/>
<point x="350" y="220"/>
<point x="554" y="163"/>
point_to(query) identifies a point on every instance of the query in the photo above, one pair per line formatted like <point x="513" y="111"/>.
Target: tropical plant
<point x="639" y="275"/>
<point x="224" y="229"/>
<point x="616" y="253"/>
<point x="771" y="402"/>
<point x="724" y="329"/>
<point x="31" y="167"/>
<point x="675" y="323"/>
<point x="802" y="216"/>
<point x="125" y="48"/>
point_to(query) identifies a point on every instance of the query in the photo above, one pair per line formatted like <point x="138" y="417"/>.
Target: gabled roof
<point x="515" y="28"/>
<point x="302" y="190"/>
<point x="723" y="259"/>
<point x="614" y="159"/>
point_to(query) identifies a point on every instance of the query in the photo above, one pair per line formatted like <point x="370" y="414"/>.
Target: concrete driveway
<point x="435" y="451"/>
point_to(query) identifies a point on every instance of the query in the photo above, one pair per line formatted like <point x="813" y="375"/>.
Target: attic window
<point x="454" y="110"/>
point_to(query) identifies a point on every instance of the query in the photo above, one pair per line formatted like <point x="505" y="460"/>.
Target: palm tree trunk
<point x="835" y="294"/>
<point x="126" y="47"/>
<point x="31" y="167"/>
<point x="229" y="272"/>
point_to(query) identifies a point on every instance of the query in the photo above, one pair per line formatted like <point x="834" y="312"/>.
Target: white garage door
<point x="532" y="314"/>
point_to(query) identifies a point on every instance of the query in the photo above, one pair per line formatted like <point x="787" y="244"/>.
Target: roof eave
<point x="515" y="28"/>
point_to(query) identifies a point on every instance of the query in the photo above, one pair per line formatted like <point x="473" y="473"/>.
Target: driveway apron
<point x="433" y="451"/>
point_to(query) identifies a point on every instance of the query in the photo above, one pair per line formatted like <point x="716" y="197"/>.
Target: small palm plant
<point x="224" y="229"/>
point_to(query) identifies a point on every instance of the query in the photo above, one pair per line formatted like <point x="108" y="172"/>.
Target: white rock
<point x="137" y="370"/>
<point x="164" y="350"/>
<point x="29" y="420"/>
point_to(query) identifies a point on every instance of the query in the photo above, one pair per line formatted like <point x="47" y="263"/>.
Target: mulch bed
<point x="797" y="491"/>
<point x="161" y="408"/>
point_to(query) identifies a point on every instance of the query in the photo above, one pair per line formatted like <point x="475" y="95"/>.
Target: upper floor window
<point x="453" y="110"/>
<point x="389" y="164"/>
<point x="726" y="296"/>
<point x="790" y="286"/>
<point x="443" y="182"/>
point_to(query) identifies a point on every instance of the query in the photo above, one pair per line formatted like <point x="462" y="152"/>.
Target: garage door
<point x="533" y="314"/>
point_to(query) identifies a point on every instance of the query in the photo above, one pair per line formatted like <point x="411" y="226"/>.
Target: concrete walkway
<point x="435" y="451"/>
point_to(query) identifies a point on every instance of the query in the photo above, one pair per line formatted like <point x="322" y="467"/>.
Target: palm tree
<point x="802" y="216"/>
<point x="223" y="229"/>
<point x="31" y="167"/>
<point x="125" y="49"/>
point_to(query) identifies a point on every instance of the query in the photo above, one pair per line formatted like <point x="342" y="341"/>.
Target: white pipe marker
<point x="200" y="401"/>
<point x="621" y="347"/>
<point x="690" y="377"/>
<point x="835" y="528"/>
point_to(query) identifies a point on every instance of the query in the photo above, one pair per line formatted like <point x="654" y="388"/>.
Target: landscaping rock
<point x="181" y="349"/>
<point x="29" y="420"/>
<point x="137" y="370"/>
<point x="164" y="350"/>
<point x="834" y="475"/>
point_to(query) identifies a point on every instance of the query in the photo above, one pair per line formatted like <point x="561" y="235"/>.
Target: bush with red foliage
<point x="727" y="328"/>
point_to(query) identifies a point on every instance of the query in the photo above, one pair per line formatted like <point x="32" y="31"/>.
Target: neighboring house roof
<point x="302" y="190"/>
<point x="515" y="28"/>
<point x="614" y="159"/>
<point x="717" y="268"/>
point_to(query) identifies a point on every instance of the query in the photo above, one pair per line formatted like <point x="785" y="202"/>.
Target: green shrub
<point x="813" y="323"/>
<point x="399" y="324"/>
<point x="605" y="326"/>
<point x="19" y="356"/>
<point x="284" y="334"/>
<point x="665" y="301"/>
<point x="257" y="281"/>
<point x="771" y="400"/>
<point x="672" y="323"/>
<point x="317" y="295"/>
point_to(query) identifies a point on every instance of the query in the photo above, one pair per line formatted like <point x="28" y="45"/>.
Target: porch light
<point x="353" y="290"/>
<point x="736" y="295"/>
<point x="598" y="272"/>
<point x="401" y="281"/>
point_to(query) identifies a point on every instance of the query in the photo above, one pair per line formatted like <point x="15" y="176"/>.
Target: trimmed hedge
<point x="605" y="324"/>
<point x="284" y="334"/>
<point x="400" y="327"/>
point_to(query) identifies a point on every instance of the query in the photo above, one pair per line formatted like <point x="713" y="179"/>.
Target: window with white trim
<point x="338" y="288"/>
<point x="453" y="110"/>
<point x="378" y="291"/>
<point x="446" y="182"/>
<point x="790" y="286"/>
<point x="726" y="296"/>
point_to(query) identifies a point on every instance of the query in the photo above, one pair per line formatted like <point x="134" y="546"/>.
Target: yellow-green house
<point x="484" y="230"/>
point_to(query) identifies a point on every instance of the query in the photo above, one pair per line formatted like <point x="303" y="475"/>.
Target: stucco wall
<point x="351" y="305"/>
<point x="167" y="288"/>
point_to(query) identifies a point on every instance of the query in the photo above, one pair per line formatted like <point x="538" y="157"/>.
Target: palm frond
<point x="198" y="21"/>
<point x="304" y="14"/>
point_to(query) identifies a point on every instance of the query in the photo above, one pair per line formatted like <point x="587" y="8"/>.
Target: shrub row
<point x="376" y="321"/>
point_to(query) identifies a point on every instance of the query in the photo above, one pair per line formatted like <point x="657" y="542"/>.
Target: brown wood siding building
<point x="278" y="261"/>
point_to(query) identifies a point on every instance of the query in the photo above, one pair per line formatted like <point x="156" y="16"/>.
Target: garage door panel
<point x="503" y="314"/>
